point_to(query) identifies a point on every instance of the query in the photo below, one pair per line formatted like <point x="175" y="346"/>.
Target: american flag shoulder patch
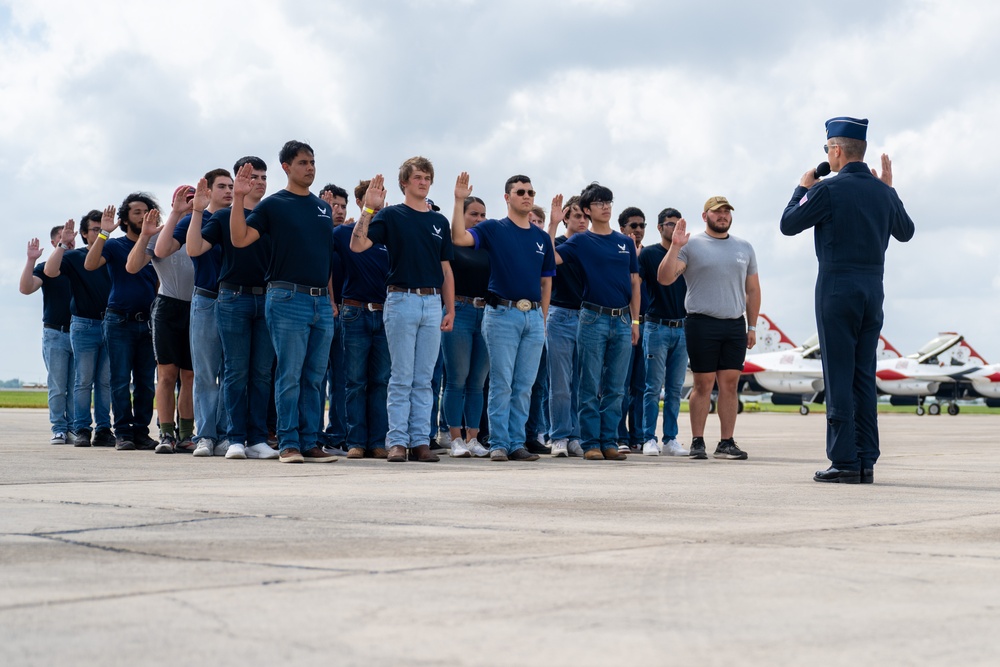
<point x="804" y="199"/>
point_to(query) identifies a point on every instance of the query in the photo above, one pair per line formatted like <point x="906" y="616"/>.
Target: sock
<point x="187" y="428"/>
<point x="167" y="428"/>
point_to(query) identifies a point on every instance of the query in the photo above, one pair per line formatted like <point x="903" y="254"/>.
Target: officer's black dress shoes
<point x="867" y="476"/>
<point x="831" y="474"/>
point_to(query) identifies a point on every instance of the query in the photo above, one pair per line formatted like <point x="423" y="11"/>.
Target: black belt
<point x="524" y="305"/>
<point x="674" y="324"/>
<point x="420" y="291"/>
<point x="56" y="327"/>
<point x="207" y="293"/>
<point x="475" y="301"/>
<point x="602" y="310"/>
<point x="129" y="317"/>
<point x="370" y="306"/>
<point x="301" y="289"/>
<point x="242" y="289"/>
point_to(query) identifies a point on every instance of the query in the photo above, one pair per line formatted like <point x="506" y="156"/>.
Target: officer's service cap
<point x="845" y="126"/>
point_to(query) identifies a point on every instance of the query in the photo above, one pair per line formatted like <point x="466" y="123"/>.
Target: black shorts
<point x="171" y="320"/>
<point x="715" y="345"/>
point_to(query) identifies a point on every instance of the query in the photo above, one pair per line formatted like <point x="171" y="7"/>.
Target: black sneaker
<point x="698" y="448"/>
<point x="727" y="449"/>
<point x="104" y="438"/>
<point x="82" y="438"/>
<point x="124" y="444"/>
<point x="536" y="447"/>
<point x="145" y="442"/>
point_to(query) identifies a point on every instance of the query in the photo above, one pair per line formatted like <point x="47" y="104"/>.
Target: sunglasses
<point x="521" y="192"/>
<point x="637" y="225"/>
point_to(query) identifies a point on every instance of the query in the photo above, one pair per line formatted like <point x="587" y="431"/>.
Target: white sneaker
<point x="221" y="448"/>
<point x="58" y="439"/>
<point x="674" y="448"/>
<point x="443" y="438"/>
<point x="477" y="449"/>
<point x="649" y="448"/>
<point x="204" y="447"/>
<point x="236" y="451"/>
<point x="574" y="448"/>
<point x="261" y="450"/>
<point x="541" y="438"/>
<point x="558" y="448"/>
<point x="335" y="451"/>
<point x="624" y="449"/>
<point x="459" y="450"/>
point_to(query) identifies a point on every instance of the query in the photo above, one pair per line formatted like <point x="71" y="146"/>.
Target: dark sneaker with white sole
<point x="727" y="449"/>
<point x="698" y="448"/>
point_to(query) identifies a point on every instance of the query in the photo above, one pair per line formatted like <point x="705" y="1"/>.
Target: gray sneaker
<point x="221" y="447"/>
<point x="574" y="448"/>
<point x="206" y="447"/>
<point x="727" y="449"/>
<point x="166" y="445"/>
<point x="58" y="439"/>
<point x="698" y="448"/>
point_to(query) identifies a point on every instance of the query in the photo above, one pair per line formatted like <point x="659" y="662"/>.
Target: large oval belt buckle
<point x="523" y="305"/>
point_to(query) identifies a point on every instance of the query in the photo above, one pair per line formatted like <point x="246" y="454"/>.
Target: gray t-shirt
<point x="176" y="272"/>
<point x="716" y="275"/>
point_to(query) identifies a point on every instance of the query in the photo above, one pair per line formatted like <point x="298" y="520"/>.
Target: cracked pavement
<point x="129" y="558"/>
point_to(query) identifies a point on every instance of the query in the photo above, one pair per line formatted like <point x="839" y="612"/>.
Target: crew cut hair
<point x="854" y="149"/>
<point x="630" y="212"/>
<point x="516" y="178"/>
<point x="216" y="173"/>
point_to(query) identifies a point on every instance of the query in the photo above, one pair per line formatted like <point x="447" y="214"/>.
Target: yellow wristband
<point x="636" y="322"/>
<point x="369" y="211"/>
<point x="102" y="235"/>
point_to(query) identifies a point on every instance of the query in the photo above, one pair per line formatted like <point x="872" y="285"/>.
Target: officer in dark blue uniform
<point x="853" y="214"/>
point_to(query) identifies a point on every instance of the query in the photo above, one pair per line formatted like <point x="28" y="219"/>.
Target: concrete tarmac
<point x="131" y="558"/>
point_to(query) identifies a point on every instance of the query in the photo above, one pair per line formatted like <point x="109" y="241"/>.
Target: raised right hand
<point x="680" y="236"/>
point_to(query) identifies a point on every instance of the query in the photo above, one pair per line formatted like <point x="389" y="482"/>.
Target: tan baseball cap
<point x="717" y="202"/>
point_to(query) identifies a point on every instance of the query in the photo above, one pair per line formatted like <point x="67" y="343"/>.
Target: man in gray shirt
<point x="722" y="285"/>
<point x="171" y="319"/>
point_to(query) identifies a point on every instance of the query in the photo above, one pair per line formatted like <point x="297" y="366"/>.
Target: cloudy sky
<point x="666" y="102"/>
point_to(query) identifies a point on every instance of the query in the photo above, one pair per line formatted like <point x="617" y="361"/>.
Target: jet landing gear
<point x="934" y="409"/>
<point x="803" y="409"/>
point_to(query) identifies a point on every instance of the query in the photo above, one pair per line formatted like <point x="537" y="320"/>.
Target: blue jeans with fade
<point x="630" y="427"/>
<point x="93" y="374"/>
<point x="206" y="361"/>
<point x="665" y="350"/>
<point x="564" y="373"/>
<point x="605" y="344"/>
<point x="130" y="354"/>
<point x="538" y="411"/>
<point x="366" y="371"/>
<point x="413" y="332"/>
<point x="514" y="339"/>
<point x="57" y="352"/>
<point x="467" y="363"/>
<point x="335" y="389"/>
<point x="301" y="327"/>
<point x="247" y="359"/>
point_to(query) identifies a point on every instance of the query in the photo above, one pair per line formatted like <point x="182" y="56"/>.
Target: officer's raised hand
<point x="886" y="176"/>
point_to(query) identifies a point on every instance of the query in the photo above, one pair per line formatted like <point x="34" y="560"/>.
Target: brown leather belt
<point x="420" y="291"/>
<point x="362" y="304"/>
<point x="477" y="302"/>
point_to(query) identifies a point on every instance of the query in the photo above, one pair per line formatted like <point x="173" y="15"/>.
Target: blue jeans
<point x="366" y="371"/>
<point x="206" y="361"/>
<point x="630" y="427"/>
<point x="335" y="388"/>
<point x="515" y="341"/>
<point x="130" y="354"/>
<point x="666" y="364"/>
<point x="301" y="329"/>
<point x="605" y="344"/>
<point x="564" y="373"/>
<point x="57" y="352"/>
<point x="466" y="363"/>
<point x="93" y="374"/>
<point x="247" y="359"/>
<point x="538" y="411"/>
<point x="413" y="332"/>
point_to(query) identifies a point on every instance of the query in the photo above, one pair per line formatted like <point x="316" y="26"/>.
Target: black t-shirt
<point x="363" y="272"/>
<point x="57" y="296"/>
<point x="301" y="230"/>
<point x="242" y="266"/>
<point x="567" y="286"/>
<point x="206" y="265"/>
<point x="471" y="268"/>
<point x="91" y="289"/>
<point x="666" y="302"/>
<point x="130" y="292"/>
<point x="417" y="241"/>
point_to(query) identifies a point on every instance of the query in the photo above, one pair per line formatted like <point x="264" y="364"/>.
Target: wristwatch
<point x="63" y="246"/>
<point x="751" y="328"/>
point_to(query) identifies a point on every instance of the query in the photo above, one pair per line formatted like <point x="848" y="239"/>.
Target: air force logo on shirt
<point x="322" y="212"/>
<point x="541" y="249"/>
<point x="436" y="232"/>
<point x="622" y="249"/>
<point x="742" y="258"/>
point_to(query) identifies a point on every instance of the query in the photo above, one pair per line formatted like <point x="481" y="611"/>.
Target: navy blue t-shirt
<point x="364" y="272"/>
<point x="57" y="297"/>
<point x="607" y="261"/>
<point x="567" y="286"/>
<point x="206" y="265"/>
<point x="417" y="241"/>
<point x="91" y="289"/>
<point x="301" y="230"/>
<point x="519" y="257"/>
<point x="666" y="302"/>
<point x="130" y="293"/>
<point x="241" y="266"/>
<point x="471" y="269"/>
